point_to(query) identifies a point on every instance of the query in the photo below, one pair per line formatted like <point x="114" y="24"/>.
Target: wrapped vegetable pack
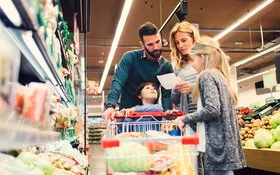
<point x="185" y="162"/>
<point x="129" y="157"/>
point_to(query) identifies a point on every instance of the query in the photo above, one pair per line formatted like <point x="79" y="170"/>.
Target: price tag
<point x="269" y="80"/>
<point x="270" y="100"/>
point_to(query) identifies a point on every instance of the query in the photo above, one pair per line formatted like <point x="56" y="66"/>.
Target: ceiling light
<point x="238" y="43"/>
<point x="118" y="33"/>
<point x="257" y="55"/>
<point x="243" y="19"/>
<point x="100" y="61"/>
<point x="255" y="75"/>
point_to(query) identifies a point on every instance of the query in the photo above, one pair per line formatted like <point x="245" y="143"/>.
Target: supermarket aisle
<point x="97" y="162"/>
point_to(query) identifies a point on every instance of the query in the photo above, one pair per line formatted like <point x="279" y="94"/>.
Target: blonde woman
<point x="182" y="37"/>
<point x="216" y="109"/>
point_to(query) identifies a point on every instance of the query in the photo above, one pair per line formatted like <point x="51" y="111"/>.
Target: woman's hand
<point x="183" y="86"/>
<point x="180" y="123"/>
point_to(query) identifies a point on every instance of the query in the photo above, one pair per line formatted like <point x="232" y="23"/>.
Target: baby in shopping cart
<point x="148" y="97"/>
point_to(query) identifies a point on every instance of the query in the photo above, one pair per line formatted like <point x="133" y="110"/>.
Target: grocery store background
<point x="251" y="38"/>
<point x="102" y="31"/>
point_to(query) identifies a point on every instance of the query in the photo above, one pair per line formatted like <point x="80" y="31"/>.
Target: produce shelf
<point x="14" y="136"/>
<point x="263" y="159"/>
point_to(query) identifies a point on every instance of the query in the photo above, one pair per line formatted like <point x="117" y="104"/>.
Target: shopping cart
<point x="144" y="121"/>
<point x="141" y="150"/>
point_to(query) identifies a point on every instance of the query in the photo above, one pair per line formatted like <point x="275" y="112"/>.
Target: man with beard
<point x="136" y="67"/>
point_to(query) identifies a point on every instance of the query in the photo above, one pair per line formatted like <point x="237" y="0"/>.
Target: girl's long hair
<point x="215" y="59"/>
<point x="176" y="56"/>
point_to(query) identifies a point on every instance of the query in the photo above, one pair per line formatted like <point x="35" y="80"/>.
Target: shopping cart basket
<point x="149" y="152"/>
<point x="144" y="121"/>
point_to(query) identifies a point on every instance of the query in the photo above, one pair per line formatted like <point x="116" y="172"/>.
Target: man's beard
<point x="152" y="54"/>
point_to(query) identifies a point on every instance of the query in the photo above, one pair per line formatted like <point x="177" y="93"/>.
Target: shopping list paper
<point x="168" y="81"/>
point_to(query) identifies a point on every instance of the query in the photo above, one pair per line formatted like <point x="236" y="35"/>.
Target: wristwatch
<point x="109" y="105"/>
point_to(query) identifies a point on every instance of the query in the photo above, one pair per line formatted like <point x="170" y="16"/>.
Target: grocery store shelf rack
<point x="14" y="136"/>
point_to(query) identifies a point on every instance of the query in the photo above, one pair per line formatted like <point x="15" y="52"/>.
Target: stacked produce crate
<point x="96" y="129"/>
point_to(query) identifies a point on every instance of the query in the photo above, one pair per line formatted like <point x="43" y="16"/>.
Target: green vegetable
<point x="129" y="157"/>
<point x="272" y="131"/>
<point x="275" y="146"/>
<point x="263" y="138"/>
<point x="275" y="120"/>
<point x="250" y="144"/>
<point x="276" y="134"/>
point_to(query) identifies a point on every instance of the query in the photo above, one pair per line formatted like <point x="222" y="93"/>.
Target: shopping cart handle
<point x="148" y="114"/>
<point x="190" y="140"/>
<point x="110" y="143"/>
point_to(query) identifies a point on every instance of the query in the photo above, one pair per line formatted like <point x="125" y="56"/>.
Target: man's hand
<point x="109" y="114"/>
<point x="183" y="86"/>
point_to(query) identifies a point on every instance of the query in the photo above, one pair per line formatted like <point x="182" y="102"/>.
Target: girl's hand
<point x="183" y="86"/>
<point x="180" y="123"/>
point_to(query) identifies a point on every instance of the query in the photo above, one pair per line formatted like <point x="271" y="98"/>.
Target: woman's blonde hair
<point x="176" y="56"/>
<point x="215" y="59"/>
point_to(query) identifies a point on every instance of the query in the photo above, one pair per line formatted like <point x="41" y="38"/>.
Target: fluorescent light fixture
<point x="11" y="12"/>
<point x="255" y="75"/>
<point x="257" y="55"/>
<point x="243" y="19"/>
<point x="118" y="33"/>
<point x="27" y="38"/>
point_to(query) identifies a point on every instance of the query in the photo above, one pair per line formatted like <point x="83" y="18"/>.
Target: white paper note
<point x="168" y="81"/>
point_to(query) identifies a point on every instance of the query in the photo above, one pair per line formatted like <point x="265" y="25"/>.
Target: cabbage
<point x="275" y="120"/>
<point x="272" y="131"/>
<point x="276" y="134"/>
<point x="128" y="157"/>
<point x="275" y="146"/>
<point x="250" y="144"/>
<point x="263" y="138"/>
<point x="261" y="130"/>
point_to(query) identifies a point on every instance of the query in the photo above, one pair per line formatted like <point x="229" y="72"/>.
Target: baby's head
<point x="147" y="93"/>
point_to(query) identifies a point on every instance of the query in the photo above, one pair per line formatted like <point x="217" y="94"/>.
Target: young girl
<point x="216" y="98"/>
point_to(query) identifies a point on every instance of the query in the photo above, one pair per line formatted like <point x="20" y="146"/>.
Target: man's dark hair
<point x="141" y="87"/>
<point x="147" y="29"/>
